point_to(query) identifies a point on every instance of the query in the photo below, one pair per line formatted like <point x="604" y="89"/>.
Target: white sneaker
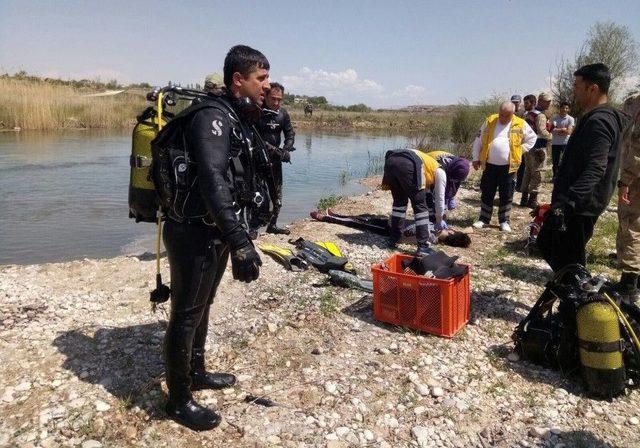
<point x="505" y="227"/>
<point x="478" y="225"/>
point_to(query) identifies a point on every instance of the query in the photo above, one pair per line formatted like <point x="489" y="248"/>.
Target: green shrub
<point x="328" y="202"/>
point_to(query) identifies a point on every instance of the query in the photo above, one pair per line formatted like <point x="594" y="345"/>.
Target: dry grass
<point x="40" y="105"/>
<point x="433" y="122"/>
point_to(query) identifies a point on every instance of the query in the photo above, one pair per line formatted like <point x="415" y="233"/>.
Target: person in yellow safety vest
<point x="457" y="171"/>
<point x="498" y="149"/>
<point x="412" y="175"/>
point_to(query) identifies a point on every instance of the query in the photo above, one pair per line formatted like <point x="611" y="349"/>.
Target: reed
<point x="30" y="104"/>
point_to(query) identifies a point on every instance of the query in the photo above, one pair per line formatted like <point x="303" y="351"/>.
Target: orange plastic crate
<point x="439" y="307"/>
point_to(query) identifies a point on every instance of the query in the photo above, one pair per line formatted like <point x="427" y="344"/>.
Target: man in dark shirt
<point x="587" y="173"/>
<point x="274" y="122"/>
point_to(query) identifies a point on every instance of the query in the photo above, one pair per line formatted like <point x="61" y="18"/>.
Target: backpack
<point x="143" y="204"/>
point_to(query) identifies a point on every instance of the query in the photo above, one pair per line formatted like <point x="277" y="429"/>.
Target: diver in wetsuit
<point x="274" y="122"/>
<point x="199" y="248"/>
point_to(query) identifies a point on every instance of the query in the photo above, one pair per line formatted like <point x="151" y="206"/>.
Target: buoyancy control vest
<point x="578" y="323"/>
<point x="174" y="172"/>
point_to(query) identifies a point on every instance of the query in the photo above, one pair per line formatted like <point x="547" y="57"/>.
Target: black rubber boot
<point x="192" y="415"/>
<point x="272" y="228"/>
<point x="201" y="379"/>
<point x="532" y="203"/>
<point x="182" y="408"/>
<point x="524" y="199"/>
<point x="628" y="288"/>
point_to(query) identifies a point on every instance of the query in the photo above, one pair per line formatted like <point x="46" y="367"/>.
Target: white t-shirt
<point x="562" y="122"/>
<point x="499" y="148"/>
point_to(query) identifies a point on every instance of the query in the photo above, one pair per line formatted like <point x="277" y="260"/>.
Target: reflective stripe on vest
<point x="516" y="135"/>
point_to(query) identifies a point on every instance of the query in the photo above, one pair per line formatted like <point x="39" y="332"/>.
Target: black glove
<point x="245" y="263"/>
<point x="555" y="217"/>
<point x="285" y="156"/>
<point x="274" y="151"/>
<point x="292" y="149"/>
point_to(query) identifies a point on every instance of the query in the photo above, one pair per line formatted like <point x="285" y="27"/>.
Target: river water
<point x="63" y="195"/>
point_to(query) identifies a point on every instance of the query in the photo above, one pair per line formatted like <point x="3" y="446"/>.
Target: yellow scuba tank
<point x="143" y="203"/>
<point x="600" y="348"/>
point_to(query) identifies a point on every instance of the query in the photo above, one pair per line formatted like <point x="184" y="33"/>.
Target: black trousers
<point x="496" y="178"/>
<point x="556" y="156"/>
<point x="277" y="177"/>
<point x="400" y="176"/>
<point x="561" y="247"/>
<point x="197" y="260"/>
<point x="520" y="175"/>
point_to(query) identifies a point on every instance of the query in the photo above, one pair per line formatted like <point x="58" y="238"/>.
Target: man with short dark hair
<point x="274" y="122"/>
<point x="563" y="125"/>
<point x="587" y="173"/>
<point x="207" y="230"/>
<point x="529" y="104"/>
<point x="534" y="159"/>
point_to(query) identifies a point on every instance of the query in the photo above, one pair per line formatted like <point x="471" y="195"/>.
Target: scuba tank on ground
<point x="600" y="349"/>
<point x="577" y="323"/>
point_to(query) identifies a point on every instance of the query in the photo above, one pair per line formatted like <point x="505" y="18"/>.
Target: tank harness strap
<point x="139" y="161"/>
<point x="601" y="347"/>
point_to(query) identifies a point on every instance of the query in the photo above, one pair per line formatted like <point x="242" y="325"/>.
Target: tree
<point x="608" y="43"/>
<point x="614" y="46"/>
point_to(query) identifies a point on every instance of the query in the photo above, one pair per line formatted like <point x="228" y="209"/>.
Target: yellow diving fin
<point x="284" y="256"/>
<point x="334" y="250"/>
<point x="331" y="247"/>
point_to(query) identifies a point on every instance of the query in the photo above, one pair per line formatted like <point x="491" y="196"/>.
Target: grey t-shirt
<point x="562" y="122"/>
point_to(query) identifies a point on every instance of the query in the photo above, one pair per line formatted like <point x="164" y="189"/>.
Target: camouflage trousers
<point x="628" y="237"/>
<point x="534" y="163"/>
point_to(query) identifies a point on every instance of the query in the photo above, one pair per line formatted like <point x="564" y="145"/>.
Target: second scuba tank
<point x="143" y="202"/>
<point x="600" y="349"/>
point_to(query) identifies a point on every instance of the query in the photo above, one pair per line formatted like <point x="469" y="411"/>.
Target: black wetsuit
<point x="198" y="252"/>
<point x="271" y="125"/>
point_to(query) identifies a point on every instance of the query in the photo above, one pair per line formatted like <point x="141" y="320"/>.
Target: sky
<point x="381" y="53"/>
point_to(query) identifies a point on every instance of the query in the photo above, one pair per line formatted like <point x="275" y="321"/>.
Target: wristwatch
<point x="621" y="184"/>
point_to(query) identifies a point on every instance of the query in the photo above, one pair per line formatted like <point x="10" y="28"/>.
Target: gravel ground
<point x="81" y="360"/>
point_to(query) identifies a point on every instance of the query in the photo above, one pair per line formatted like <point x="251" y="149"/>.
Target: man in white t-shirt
<point x="498" y="149"/>
<point x="563" y="125"/>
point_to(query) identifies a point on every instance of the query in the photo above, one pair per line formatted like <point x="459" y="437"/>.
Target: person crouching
<point x="412" y="175"/>
<point x="457" y="170"/>
<point x="498" y="149"/>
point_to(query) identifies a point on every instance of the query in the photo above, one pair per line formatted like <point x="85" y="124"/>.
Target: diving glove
<point x="439" y="227"/>
<point x="285" y="156"/>
<point x="451" y="204"/>
<point x="245" y="263"/>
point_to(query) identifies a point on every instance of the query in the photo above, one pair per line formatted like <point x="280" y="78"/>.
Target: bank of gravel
<point x="81" y="361"/>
